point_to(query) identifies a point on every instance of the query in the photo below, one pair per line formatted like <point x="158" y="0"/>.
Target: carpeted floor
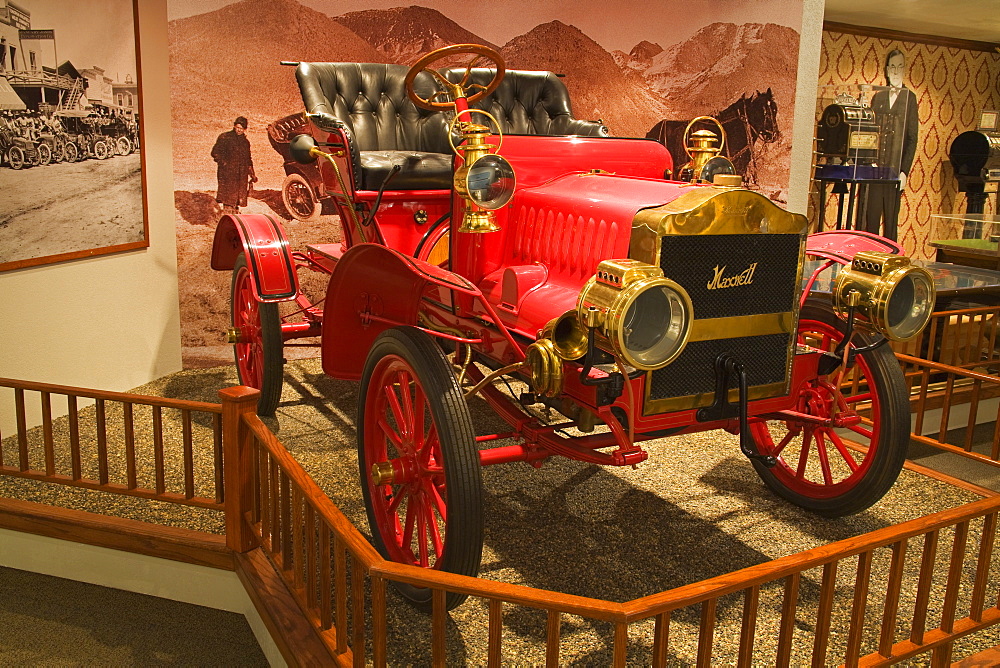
<point x="694" y="510"/>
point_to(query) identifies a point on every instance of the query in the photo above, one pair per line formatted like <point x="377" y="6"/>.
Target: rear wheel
<point x="419" y="466"/>
<point x="44" y="154"/>
<point x="816" y="469"/>
<point x="297" y="195"/>
<point x="70" y="152"/>
<point x="258" y="349"/>
<point x="101" y="151"/>
<point x="123" y="146"/>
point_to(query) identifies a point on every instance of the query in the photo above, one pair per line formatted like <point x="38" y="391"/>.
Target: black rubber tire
<point x="891" y="438"/>
<point x="271" y="376"/>
<point x="414" y="351"/>
<point x="299" y="199"/>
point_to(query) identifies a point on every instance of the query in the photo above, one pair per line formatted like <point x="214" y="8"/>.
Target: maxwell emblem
<point x="720" y="281"/>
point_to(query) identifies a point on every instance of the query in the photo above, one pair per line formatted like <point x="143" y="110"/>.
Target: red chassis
<point x="633" y="306"/>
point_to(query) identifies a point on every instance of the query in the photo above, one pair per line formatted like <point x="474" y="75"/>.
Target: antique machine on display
<point x="560" y="275"/>
<point x="975" y="157"/>
<point x="855" y="150"/>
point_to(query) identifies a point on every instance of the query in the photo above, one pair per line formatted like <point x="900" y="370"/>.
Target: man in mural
<point x="235" y="171"/>
<point x="896" y="114"/>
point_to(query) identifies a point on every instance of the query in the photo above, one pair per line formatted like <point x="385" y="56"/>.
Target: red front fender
<point x="263" y="240"/>
<point x="374" y="288"/>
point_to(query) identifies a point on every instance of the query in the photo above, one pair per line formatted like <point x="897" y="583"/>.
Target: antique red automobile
<point x="491" y="241"/>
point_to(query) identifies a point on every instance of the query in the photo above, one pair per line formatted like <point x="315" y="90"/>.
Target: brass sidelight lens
<point x="640" y="316"/>
<point x="894" y="297"/>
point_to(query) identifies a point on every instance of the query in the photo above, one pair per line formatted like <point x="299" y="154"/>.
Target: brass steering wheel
<point x="462" y="88"/>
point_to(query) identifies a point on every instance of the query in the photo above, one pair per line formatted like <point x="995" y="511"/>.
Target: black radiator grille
<point x="695" y="260"/>
<point x="764" y="357"/>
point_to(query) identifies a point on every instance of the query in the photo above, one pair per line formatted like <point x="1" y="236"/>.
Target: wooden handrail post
<point x="238" y="464"/>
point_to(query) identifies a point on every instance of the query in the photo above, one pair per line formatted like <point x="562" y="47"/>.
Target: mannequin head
<point x="895" y="67"/>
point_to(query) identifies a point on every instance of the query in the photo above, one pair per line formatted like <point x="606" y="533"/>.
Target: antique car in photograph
<point x="495" y="246"/>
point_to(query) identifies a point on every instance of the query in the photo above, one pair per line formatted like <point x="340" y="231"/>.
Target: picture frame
<point x="72" y="163"/>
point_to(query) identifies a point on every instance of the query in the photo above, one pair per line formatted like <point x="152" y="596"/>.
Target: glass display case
<point x="861" y="131"/>
<point x="970" y="239"/>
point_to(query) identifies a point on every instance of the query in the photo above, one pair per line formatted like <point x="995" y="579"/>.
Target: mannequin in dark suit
<point x="896" y="114"/>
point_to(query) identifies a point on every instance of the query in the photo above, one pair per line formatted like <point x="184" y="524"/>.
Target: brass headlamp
<point x="894" y="297"/>
<point x="485" y="181"/>
<point x="639" y="315"/>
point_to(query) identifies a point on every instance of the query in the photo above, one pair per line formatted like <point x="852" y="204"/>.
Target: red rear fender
<point x="270" y="260"/>
<point x="373" y="289"/>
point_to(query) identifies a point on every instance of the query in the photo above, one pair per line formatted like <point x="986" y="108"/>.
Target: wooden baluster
<point x="312" y="601"/>
<point x="995" y="450"/>
<point x="977" y="387"/>
<point x="298" y="580"/>
<point x="159" y="474"/>
<point x="378" y="622"/>
<point x="102" y="441"/>
<point x="274" y="537"/>
<point x="76" y="466"/>
<point x="787" y="626"/>
<point x="129" y="445"/>
<point x="706" y="632"/>
<point x="325" y="580"/>
<point x="941" y="656"/>
<point x="358" y="612"/>
<point x="858" y="607"/>
<point x="620" y="645"/>
<point x="50" y="452"/>
<point x="888" y="636"/>
<point x="949" y="388"/>
<point x="823" y="614"/>
<point x="983" y="563"/>
<point x="922" y="400"/>
<point x="264" y="495"/>
<point x="286" y="522"/>
<point x="924" y="581"/>
<point x="340" y="593"/>
<point x="238" y="454"/>
<point x="22" y="431"/>
<point x="661" y="639"/>
<point x="188" y="440"/>
<point x="494" y="654"/>
<point x="439" y="616"/>
<point x="552" y="639"/>
<point x="220" y="481"/>
<point x="748" y="628"/>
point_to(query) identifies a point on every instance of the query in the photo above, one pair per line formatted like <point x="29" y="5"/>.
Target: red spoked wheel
<point x="816" y="468"/>
<point x="418" y="461"/>
<point x="258" y="348"/>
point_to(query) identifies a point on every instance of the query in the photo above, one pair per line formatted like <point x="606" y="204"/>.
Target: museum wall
<point x="108" y="322"/>
<point x="952" y="86"/>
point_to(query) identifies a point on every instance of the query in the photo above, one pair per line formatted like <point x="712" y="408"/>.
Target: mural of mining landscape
<point x="643" y="72"/>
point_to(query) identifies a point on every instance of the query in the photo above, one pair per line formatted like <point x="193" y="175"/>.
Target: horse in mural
<point x="749" y="120"/>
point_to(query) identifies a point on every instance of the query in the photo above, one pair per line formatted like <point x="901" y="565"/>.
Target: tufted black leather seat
<point x="384" y="128"/>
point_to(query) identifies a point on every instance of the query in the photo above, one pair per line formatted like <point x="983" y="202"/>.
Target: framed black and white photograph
<point x="71" y="177"/>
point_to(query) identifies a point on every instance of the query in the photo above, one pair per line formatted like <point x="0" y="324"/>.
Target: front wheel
<point x="70" y="152"/>
<point x="44" y="154"/>
<point x="419" y="466"/>
<point x="299" y="200"/>
<point x="15" y="157"/>
<point x="816" y="469"/>
<point x="101" y="150"/>
<point x="123" y="146"/>
<point x="258" y="348"/>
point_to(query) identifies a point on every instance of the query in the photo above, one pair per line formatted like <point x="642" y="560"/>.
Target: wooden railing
<point x="879" y="598"/>
<point x="133" y="437"/>
<point x="339" y="582"/>
<point x="962" y="338"/>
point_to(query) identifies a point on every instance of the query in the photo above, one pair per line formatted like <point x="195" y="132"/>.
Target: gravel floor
<point x="694" y="510"/>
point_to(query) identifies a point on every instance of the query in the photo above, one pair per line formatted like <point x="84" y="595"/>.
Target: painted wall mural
<point x="952" y="87"/>
<point x="632" y="69"/>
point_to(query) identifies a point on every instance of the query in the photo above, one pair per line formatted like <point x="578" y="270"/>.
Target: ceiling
<point x="963" y="19"/>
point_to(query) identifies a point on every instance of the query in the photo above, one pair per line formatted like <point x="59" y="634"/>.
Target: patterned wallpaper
<point x="952" y="86"/>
